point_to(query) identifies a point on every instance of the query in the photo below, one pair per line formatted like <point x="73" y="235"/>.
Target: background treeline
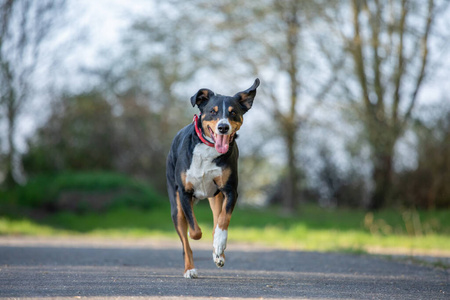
<point x="353" y="108"/>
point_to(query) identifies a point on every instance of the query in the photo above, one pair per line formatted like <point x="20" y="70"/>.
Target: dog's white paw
<point x="219" y="245"/>
<point x="192" y="273"/>
<point x="219" y="260"/>
<point x="220" y="240"/>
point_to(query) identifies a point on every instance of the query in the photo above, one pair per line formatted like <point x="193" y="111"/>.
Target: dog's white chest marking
<point x="203" y="170"/>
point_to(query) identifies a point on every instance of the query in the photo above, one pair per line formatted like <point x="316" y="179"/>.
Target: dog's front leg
<point x="222" y="206"/>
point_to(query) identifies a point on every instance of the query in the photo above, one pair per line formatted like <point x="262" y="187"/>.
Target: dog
<point x="202" y="163"/>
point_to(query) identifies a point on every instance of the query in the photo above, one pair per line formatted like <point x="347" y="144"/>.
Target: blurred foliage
<point x="83" y="133"/>
<point x="428" y="185"/>
<point x="79" y="192"/>
<point x="307" y="56"/>
<point x="79" y="135"/>
<point x="339" y="188"/>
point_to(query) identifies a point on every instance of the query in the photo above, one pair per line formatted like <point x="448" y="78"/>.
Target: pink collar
<point x="200" y="134"/>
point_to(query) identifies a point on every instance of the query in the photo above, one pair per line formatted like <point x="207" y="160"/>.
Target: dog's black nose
<point x="223" y="128"/>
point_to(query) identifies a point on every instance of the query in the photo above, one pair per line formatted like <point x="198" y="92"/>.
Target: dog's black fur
<point x="220" y="118"/>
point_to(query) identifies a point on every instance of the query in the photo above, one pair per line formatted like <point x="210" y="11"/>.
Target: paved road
<point x="117" y="270"/>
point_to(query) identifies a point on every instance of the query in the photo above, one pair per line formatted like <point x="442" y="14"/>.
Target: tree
<point x="268" y="38"/>
<point x="24" y="25"/>
<point x="141" y="82"/>
<point x="85" y="132"/>
<point x="78" y="135"/>
<point x="427" y="186"/>
<point x="387" y="45"/>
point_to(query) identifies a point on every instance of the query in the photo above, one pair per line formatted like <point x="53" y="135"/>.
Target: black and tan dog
<point x="202" y="163"/>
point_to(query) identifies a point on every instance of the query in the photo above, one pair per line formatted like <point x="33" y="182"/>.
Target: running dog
<point x="202" y="163"/>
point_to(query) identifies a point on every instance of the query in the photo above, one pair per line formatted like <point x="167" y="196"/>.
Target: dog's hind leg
<point x="187" y="206"/>
<point x="187" y="202"/>
<point x="181" y="225"/>
<point x="195" y="232"/>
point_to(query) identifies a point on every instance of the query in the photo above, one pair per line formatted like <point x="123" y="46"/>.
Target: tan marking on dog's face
<point x="235" y="120"/>
<point x="235" y="126"/>
<point x="212" y="124"/>
<point x="223" y="179"/>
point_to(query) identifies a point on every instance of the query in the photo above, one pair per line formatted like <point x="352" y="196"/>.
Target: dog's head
<point x="222" y="116"/>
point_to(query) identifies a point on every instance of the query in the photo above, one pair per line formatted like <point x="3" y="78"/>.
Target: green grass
<point x="313" y="229"/>
<point x="136" y="210"/>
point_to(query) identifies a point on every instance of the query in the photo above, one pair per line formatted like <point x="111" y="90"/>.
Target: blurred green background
<point x="347" y="146"/>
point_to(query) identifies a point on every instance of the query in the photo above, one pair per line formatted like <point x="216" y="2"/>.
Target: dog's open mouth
<point x="221" y="141"/>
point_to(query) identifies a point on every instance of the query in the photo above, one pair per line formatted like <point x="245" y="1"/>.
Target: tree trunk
<point x="291" y="198"/>
<point x="382" y="175"/>
<point x="9" y="177"/>
<point x="382" y="139"/>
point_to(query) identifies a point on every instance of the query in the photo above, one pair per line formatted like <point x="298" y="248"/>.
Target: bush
<point x="83" y="191"/>
<point x="427" y="186"/>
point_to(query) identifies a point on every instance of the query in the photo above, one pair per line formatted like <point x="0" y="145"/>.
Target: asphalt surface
<point x="48" y="269"/>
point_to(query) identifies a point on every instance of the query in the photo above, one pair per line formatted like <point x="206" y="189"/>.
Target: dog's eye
<point x="213" y="112"/>
<point x="233" y="113"/>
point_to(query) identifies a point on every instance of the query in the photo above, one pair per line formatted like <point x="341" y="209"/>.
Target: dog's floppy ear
<point x="201" y="98"/>
<point x="246" y="97"/>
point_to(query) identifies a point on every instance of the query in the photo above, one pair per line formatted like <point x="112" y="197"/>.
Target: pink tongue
<point x="222" y="143"/>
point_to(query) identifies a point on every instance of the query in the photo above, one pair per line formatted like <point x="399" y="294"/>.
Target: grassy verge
<point x="312" y="229"/>
<point x="113" y="205"/>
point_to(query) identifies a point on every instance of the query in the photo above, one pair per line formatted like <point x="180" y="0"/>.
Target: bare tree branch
<point x="400" y="68"/>
<point x="23" y="26"/>
<point x="358" y="54"/>
<point x="375" y="22"/>
<point x="424" y="60"/>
